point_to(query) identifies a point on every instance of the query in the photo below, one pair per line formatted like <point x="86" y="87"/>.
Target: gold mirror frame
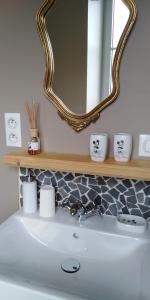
<point x="78" y="122"/>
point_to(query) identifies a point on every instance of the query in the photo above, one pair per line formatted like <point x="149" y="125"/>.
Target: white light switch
<point x="13" y="129"/>
<point x="144" y="145"/>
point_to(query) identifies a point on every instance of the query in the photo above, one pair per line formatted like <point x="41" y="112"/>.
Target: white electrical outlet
<point x="144" y="145"/>
<point x="13" y="129"/>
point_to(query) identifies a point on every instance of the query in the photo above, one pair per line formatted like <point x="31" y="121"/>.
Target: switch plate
<point x="13" y="129"/>
<point x="144" y="145"/>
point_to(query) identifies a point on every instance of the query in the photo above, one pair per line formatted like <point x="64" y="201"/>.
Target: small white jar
<point x="122" y="147"/>
<point x="47" y="201"/>
<point x="98" y="146"/>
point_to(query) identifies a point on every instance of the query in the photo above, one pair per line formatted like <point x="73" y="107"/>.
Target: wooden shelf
<point x="134" y="169"/>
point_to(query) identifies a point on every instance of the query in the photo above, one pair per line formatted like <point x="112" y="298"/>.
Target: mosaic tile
<point x="98" y="200"/>
<point x="112" y="195"/>
<point x="69" y="177"/>
<point x="53" y="181"/>
<point x="131" y="199"/>
<point x="84" y="181"/>
<point x="130" y="192"/>
<point x="96" y="188"/>
<point x="91" y="194"/>
<point x="61" y="183"/>
<point x="101" y="181"/>
<point x="140" y="197"/>
<point x="72" y="199"/>
<point x="47" y="174"/>
<point x="24" y="171"/>
<point x="40" y="177"/>
<point x="67" y="189"/>
<point x="147" y="190"/>
<point x="127" y="183"/>
<point x="78" y="179"/>
<point x="112" y="182"/>
<point x="83" y="189"/>
<point x="72" y="185"/>
<point x="92" y="181"/>
<point x="146" y="215"/>
<point x="121" y="188"/>
<point x="105" y="204"/>
<point x="108" y="198"/>
<point x="119" y="205"/>
<point x="136" y="212"/>
<point x="58" y="175"/>
<point x="47" y="181"/>
<point x="62" y="192"/>
<point x="104" y="189"/>
<point x="139" y="186"/>
<point x="75" y="193"/>
<point x="84" y="200"/>
<point x="131" y="205"/>
<point x="144" y="208"/>
<point x="125" y="210"/>
<point x="122" y="199"/>
<point x="147" y="201"/>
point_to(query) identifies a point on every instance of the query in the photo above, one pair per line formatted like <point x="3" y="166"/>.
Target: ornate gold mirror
<point x="84" y="40"/>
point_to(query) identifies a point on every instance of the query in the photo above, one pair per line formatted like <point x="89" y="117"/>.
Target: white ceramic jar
<point x="122" y="146"/>
<point x="29" y="190"/>
<point x="47" y="201"/>
<point x="98" y="146"/>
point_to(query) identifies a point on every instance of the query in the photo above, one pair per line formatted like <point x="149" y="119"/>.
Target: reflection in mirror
<point x="84" y="35"/>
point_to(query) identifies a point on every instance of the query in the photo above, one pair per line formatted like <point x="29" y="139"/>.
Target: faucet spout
<point x="89" y="213"/>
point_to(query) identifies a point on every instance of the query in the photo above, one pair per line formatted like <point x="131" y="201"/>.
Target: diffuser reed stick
<point x="32" y="112"/>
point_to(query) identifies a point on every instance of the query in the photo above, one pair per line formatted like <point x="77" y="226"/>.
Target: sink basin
<point x="114" y="264"/>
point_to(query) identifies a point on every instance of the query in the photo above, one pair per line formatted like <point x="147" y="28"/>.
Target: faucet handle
<point x="65" y="204"/>
<point x="72" y="207"/>
<point x="76" y="208"/>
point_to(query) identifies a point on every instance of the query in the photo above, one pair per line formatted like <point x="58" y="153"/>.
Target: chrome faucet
<point x="86" y="213"/>
<point x="79" y="211"/>
<point x="72" y="207"/>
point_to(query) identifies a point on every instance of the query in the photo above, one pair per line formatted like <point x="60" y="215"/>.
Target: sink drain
<point x="70" y="266"/>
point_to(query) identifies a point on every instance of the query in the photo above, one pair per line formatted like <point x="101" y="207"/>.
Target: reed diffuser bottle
<point x="34" y="143"/>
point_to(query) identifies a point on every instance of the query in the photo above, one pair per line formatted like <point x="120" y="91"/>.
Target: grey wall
<point x="21" y="76"/>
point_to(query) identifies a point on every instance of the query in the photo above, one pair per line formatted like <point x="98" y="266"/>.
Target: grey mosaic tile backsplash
<point x="113" y="196"/>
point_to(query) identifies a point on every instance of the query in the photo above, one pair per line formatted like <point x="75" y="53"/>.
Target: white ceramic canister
<point x="122" y="146"/>
<point x="29" y="190"/>
<point x="47" y="201"/>
<point x="98" y="146"/>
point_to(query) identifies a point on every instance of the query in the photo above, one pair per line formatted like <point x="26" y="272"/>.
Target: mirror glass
<point x="84" y="35"/>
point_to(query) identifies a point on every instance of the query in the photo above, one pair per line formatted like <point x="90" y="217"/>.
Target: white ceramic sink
<point x="114" y="264"/>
